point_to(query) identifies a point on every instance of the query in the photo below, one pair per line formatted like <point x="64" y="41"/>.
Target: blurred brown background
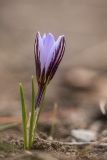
<point x="82" y="73"/>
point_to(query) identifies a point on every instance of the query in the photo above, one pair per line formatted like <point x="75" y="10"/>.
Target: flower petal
<point x="45" y="44"/>
<point x="41" y="51"/>
<point x="53" y="52"/>
<point x="43" y="37"/>
<point x="37" y="56"/>
<point x="48" y="43"/>
<point x="49" y="40"/>
<point x="59" y="52"/>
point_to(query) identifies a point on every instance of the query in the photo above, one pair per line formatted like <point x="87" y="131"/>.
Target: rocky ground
<point x="66" y="135"/>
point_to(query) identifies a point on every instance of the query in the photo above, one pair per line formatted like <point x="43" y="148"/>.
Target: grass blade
<point x="32" y="116"/>
<point x="8" y="126"/>
<point x="24" y="116"/>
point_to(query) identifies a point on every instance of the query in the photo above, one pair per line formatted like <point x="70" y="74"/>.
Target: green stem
<point x="24" y="117"/>
<point x="39" y="105"/>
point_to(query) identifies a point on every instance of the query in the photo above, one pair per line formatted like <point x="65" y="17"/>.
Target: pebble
<point x="83" y="135"/>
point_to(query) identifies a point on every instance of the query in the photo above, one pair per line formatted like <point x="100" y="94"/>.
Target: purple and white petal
<point x="53" y="52"/>
<point x="58" y="57"/>
<point x="42" y="51"/>
<point x="43" y="37"/>
<point x="48" y="44"/>
<point x="37" y="57"/>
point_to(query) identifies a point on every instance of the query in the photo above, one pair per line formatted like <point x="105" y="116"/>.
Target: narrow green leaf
<point x="32" y="116"/>
<point x="24" y="116"/>
<point x="54" y="118"/>
<point x="7" y="126"/>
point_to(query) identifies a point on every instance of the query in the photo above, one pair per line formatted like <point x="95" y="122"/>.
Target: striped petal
<point x="52" y="53"/>
<point x="58" y="55"/>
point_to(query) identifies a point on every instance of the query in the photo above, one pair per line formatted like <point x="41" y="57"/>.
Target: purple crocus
<point x="48" y="54"/>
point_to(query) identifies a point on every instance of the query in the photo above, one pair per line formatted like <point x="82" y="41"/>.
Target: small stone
<point x="83" y="135"/>
<point x="28" y="152"/>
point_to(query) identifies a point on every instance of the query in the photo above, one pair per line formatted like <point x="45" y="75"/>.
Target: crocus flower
<point x="48" y="54"/>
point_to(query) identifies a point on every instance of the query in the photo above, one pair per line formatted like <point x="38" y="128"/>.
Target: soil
<point x="56" y="144"/>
